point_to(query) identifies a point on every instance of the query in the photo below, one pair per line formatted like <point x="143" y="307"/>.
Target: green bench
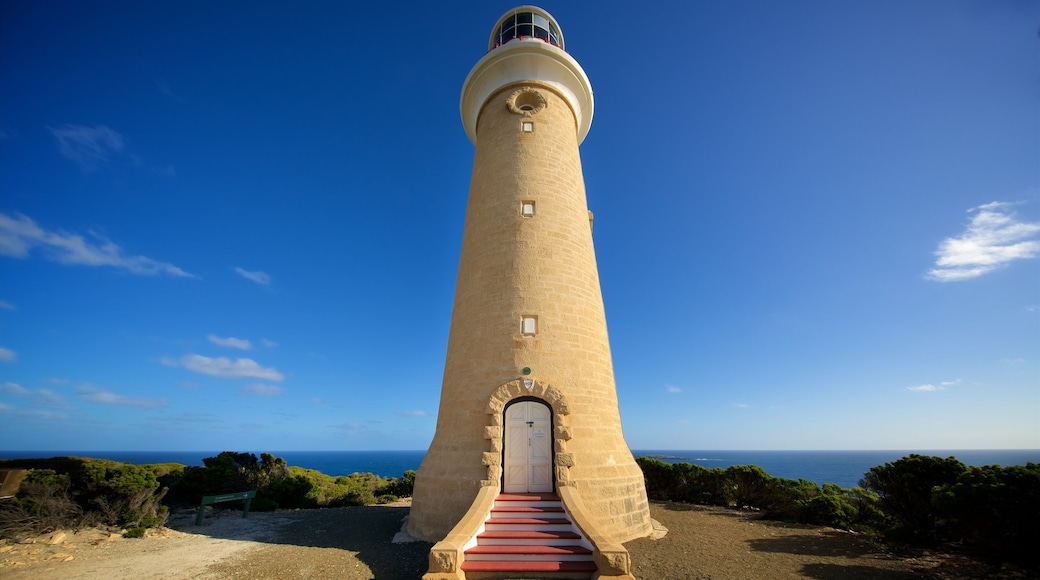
<point x="208" y="499"/>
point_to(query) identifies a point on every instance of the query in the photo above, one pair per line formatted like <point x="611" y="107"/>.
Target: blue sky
<point x="236" y="225"/>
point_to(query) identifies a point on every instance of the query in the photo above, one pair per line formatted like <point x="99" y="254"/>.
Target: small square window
<point x="528" y="325"/>
<point x="528" y="127"/>
<point x="527" y="208"/>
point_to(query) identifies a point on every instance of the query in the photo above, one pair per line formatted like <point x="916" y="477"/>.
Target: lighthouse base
<point x="609" y="560"/>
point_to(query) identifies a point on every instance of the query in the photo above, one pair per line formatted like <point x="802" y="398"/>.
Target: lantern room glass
<point x="527" y="25"/>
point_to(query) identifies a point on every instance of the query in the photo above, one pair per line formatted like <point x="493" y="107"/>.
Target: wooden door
<point x="528" y="448"/>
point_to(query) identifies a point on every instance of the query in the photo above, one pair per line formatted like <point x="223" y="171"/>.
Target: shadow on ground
<point x="838" y="572"/>
<point x="334" y="541"/>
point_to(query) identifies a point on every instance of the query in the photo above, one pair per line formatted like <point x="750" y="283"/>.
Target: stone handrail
<point x="612" y="559"/>
<point x="446" y="555"/>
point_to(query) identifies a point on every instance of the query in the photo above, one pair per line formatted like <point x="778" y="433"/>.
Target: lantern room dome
<point x="526" y="22"/>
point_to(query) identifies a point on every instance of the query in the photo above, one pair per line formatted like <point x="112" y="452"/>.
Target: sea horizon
<point x="841" y="467"/>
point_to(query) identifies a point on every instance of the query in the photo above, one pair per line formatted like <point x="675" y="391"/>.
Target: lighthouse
<point x="528" y="402"/>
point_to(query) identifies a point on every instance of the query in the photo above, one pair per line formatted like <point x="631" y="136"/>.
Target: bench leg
<point x="198" y="518"/>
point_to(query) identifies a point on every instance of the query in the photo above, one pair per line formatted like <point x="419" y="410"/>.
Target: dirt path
<point x="356" y="544"/>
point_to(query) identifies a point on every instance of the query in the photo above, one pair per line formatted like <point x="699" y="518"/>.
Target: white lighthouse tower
<point x="528" y="410"/>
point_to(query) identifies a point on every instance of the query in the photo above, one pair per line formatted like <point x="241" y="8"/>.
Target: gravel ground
<point x="356" y="544"/>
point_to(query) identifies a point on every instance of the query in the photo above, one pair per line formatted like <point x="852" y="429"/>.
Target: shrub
<point x="904" y="488"/>
<point x="995" y="509"/>
<point x="69" y="492"/>
<point x="43" y="504"/>
<point x="752" y="487"/>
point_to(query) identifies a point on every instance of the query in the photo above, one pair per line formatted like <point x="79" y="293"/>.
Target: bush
<point x="995" y="509"/>
<point x="279" y="486"/>
<point x="753" y="487"/>
<point x="43" y="504"/>
<point x="904" y="488"/>
<point x="70" y="492"/>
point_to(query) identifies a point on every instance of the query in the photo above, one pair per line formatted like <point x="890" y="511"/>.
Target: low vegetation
<point x="992" y="511"/>
<point x="74" y="492"/>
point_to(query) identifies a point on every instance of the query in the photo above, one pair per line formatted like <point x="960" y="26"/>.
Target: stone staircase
<point x="529" y="535"/>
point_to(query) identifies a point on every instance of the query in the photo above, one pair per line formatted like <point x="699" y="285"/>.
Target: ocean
<point x="844" y="468"/>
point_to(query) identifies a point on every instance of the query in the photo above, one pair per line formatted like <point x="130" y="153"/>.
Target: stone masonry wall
<point x="513" y="266"/>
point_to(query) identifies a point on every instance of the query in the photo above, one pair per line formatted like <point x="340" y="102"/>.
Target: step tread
<point x="527" y="509"/>
<point x="528" y="521"/>
<point x="533" y="550"/>
<point x="528" y="497"/>
<point x="530" y="535"/>
<point x="508" y="566"/>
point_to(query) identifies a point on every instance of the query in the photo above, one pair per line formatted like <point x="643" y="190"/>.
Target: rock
<point x="56" y="538"/>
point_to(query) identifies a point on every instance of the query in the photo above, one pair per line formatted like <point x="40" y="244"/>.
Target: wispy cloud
<point x="6" y="306"/>
<point x="164" y="88"/>
<point x="102" y="396"/>
<point x="350" y="427"/>
<point x="268" y="343"/>
<point x="230" y="342"/>
<point x="414" y="414"/>
<point x="741" y="405"/>
<point x="20" y="235"/>
<point x="930" y="388"/>
<point x="673" y="389"/>
<point x="7" y="355"/>
<point x="225" y="367"/>
<point x="197" y="418"/>
<point x="258" y="277"/>
<point x="43" y="397"/>
<point x="88" y="146"/>
<point x="994" y="238"/>
<point x="262" y="390"/>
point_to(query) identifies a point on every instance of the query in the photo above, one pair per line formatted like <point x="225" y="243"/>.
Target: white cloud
<point x="230" y="342"/>
<point x="40" y="397"/>
<point x="6" y="306"/>
<point x="741" y="405"/>
<point x="262" y="390"/>
<point x="672" y="389"/>
<point x="224" y="367"/>
<point x="101" y="396"/>
<point x="7" y="355"/>
<point x="20" y="235"/>
<point x="930" y="388"/>
<point x="87" y="146"/>
<point x="13" y="389"/>
<point x="258" y="277"/>
<point x="993" y="239"/>
<point x="268" y="343"/>
<point x="414" y="414"/>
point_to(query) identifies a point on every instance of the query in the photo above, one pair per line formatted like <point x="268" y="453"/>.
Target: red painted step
<point x="531" y="550"/>
<point x="521" y="509"/>
<point x="506" y="566"/>
<point x="531" y="535"/>
<point x="546" y="521"/>
<point x="528" y="497"/>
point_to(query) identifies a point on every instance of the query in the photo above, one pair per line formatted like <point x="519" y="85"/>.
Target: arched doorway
<point x="528" y="447"/>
